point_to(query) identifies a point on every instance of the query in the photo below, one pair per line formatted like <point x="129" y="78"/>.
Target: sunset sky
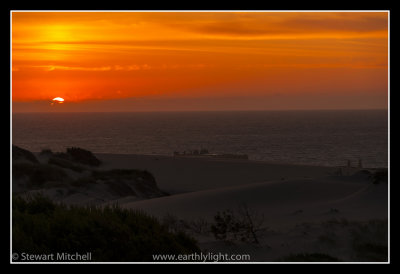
<point x="145" y="61"/>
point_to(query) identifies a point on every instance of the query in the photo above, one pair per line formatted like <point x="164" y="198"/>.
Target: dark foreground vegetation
<point x="309" y="257"/>
<point x="40" y="226"/>
<point x="76" y="172"/>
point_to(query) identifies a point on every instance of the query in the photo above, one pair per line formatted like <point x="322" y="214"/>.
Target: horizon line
<point x="211" y="10"/>
<point x="233" y="110"/>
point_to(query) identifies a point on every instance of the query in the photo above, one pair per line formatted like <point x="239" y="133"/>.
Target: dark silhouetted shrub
<point x="23" y="154"/>
<point x="242" y="225"/>
<point x="39" y="174"/>
<point x="79" y="155"/>
<point x="110" y="233"/>
<point x="46" y="152"/>
<point x="83" y="156"/>
<point x="129" y="182"/>
<point x="380" y="176"/>
<point x="64" y="163"/>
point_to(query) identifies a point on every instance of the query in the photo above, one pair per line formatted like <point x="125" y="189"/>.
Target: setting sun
<point x="58" y="100"/>
<point x="185" y="60"/>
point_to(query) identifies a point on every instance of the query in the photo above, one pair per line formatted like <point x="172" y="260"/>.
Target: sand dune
<point x="305" y="208"/>
<point x="179" y="175"/>
<point x="286" y="194"/>
<point x="332" y="215"/>
<point x="284" y="202"/>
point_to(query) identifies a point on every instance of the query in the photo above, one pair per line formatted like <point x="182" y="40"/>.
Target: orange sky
<point x="199" y="60"/>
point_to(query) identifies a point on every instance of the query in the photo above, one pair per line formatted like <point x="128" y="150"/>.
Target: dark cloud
<point x="296" y="23"/>
<point x="339" y="23"/>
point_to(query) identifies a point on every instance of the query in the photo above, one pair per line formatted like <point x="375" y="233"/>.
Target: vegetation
<point x="380" y="176"/>
<point x="129" y="182"/>
<point x="328" y="238"/>
<point x="242" y="225"/>
<point x="196" y="227"/>
<point x="23" y="154"/>
<point x="55" y="171"/>
<point x="38" y="174"/>
<point x="83" y="182"/>
<point x="65" y="164"/>
<point x="111" y="234"/>
<point x="79" y="155"/>
<point x="121" y="174"/>
<point x="371" y="252"/>
<point x="369" y="240"/>
<point x="309" y="257"/>
<point x="46" y="152"/>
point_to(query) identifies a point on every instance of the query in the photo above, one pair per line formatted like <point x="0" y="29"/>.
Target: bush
<point x="242" y="226"/>
<point x="79" y="155"/>
<point x="110" y="233"/>
<point x="381" y="175"/>
<point x="46" y="152"/>
<point x="23" y="154"/>
<point x="129" y="182"/>
<point x="38" y="174"/>
<point x="83" y="156"/>
<point x="65" y="164"/>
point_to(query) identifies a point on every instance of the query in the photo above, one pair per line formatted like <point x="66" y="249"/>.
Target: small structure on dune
<point x="205" y="153"/>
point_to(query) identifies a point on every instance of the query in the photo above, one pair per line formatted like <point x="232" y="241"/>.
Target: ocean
<point x="327" y="138"/>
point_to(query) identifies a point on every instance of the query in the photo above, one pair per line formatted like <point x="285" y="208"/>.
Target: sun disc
<point x="58" y="99"/>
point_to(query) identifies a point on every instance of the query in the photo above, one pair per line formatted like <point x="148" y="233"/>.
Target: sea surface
<point x="327" y="138"/>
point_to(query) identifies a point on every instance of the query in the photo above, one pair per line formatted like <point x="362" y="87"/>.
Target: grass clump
<point x="242" y="225"/>
<point x="65" y="164"/>
<point x="370" y="241"/>
<point x="380" y="176"/>
<point x="111" y="234"/>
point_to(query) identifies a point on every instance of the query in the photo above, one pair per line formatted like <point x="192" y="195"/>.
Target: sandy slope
<point x="299" y="216"/>
<point x="305" y="209"/>
<point x="178" y="175"/>
<point x="281" y="202"/>
<point x="286" y="194"/>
